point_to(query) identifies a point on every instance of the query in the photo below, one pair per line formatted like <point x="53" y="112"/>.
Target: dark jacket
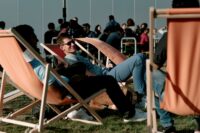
<point x="160" y="55"/>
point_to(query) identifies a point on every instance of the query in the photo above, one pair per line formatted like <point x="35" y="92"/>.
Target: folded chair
<point x="182" y="86"/>
<point x="113" y="54"/>
<point x="21" y="74"/>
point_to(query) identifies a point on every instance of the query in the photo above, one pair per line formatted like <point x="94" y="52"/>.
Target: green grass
<point x="112" y="123"/>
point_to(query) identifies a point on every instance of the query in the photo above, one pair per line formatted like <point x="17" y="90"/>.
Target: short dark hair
<point x="60" y="20"/>
<point x="130" y="22"/>
<point x="27" y="32"/>
<point x="86" y="25"/>
<point x="51" y="26"/>
<point x="111" y="17"/>
<point x="185" y="3"/>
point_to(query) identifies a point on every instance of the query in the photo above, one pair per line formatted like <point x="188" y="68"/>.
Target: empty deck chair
<point x="21" y="73"/>
<point x="182" y="87"/>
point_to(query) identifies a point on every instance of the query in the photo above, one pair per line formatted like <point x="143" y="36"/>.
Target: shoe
<point x="79" y="114"/>
<point x="138" y="117"/>
<point x="170" y="129"/>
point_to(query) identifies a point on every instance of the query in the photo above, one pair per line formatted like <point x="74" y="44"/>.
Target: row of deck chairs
<point x="20" y="74"/>
<point x="182" y="83"/>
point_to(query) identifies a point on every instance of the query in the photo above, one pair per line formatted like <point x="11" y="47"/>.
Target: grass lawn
<point x="111" y="119"/>
<point x="112" y="123"/>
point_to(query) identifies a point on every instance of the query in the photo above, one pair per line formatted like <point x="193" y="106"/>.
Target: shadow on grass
<point x="107" y="112"/>
<point x="185" y="131"/>
<point x="56" y="129"/>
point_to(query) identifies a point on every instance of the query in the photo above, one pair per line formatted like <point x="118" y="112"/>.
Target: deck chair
<point x="182" y="71"/>
<point x="107" y="50"/>
<point x="21" y="73"/>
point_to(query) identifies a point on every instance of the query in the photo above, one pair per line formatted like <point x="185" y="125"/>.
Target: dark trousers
<point x="90" y="85"/>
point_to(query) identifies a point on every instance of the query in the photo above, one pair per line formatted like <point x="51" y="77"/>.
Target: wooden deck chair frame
<point x="157" y="13"/>
<point x="41" y="123"/>
<point x="12" y="94"/>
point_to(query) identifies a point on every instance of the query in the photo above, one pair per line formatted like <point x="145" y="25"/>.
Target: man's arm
<point x="160" y="54"/>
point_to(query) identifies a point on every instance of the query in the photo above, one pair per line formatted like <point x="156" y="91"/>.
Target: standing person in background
<point x="112" y="24"/>
<point x="64" y="29"/>
<point x="60" y="22"/>
<point x="114" y="38"/>
<point x="2" y="25"/>
<point x="144" y="40"/>
<point x="50" y="33"/>
<point x="124" y="27"/>
<point x="131" y="24"/>
<point x="97" y="30"/>
<point x="48" y="38"/>
<point x="75" y="30"/>
<point x="91" y="34"/>
<point x="87" y="31"/>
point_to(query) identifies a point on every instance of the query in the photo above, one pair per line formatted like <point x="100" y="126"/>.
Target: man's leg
<point x="197" y="130"/>
<point x="133" y="66"/>
<point x="158" y="85"/>
<point x="90" y="85"/>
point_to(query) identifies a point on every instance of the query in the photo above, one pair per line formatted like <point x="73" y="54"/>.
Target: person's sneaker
<point x="170" y="129"/>
<point x="138" y="117"/>
<point x="79" y="114"/>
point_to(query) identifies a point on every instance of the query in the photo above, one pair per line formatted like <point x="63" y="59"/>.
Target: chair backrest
<point x="183" y="53"/>
<point x="182" y="86"/>
<point x="113" y="54"/>
<point x="21" y="72"/>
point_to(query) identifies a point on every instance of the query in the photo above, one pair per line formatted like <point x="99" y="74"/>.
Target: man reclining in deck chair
<point x="84" y="86"/>
<point x="133" y="66"/>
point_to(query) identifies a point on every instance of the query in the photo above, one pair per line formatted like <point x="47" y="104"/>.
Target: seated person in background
<point x="144" y="40"/>
<point x="85" y="86"/>
<point x="133" y="66"/>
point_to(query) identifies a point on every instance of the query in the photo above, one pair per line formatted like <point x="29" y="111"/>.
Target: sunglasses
<point x="68" y="44"/>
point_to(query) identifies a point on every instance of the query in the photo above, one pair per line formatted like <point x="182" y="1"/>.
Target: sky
<point x="38" y="13"/>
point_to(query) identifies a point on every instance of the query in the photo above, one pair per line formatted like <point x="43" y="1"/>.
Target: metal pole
<point x="155" y="5"/>
<point x="42" y="34"/>
<point x="64" y="11"/>
<point x="134" y="9"/>
<point x="112" y="7"/>
<point x="90" y="17"/>
<point x="18" y="12"/>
